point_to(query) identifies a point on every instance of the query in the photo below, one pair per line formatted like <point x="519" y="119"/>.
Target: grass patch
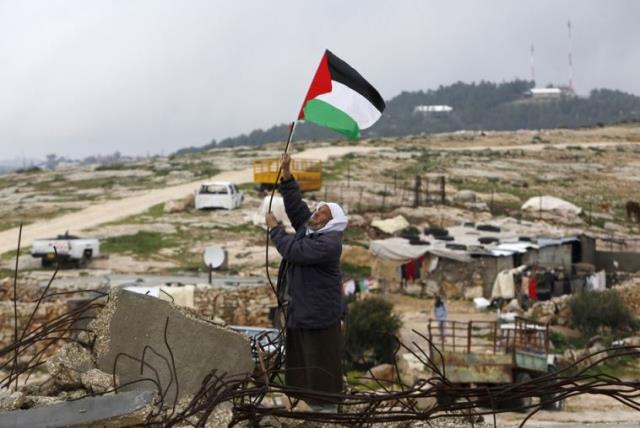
<point x="202" y="169"/>
<point x="114" y="167"/>
<point x="361" y="381"/>
<point x="561" y="342"/>
<point x="249" y="187"/>
<point x="6" y="273"/>
<point x="355" y="236"/>
<point x="141" y="244"/>
<point x="340" y="168"/>
<point x="248" y="228"/>
<point x="623" y="367"/>
<point x="109" y="182"/>
<point x="358" y="271"/>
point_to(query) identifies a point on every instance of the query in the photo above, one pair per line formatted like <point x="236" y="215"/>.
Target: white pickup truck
<point x="65" y="250"/>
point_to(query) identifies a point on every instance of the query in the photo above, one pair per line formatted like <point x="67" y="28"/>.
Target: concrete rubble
<point x="68" y="365"/>
<point x="385" y="373"/>
<point x="125" y="409"/>
<point x="178" y="349"/>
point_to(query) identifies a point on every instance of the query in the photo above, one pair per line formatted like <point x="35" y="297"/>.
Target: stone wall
<point x="455" y="279"/>
<point x="242" y="305"/>
<point x="28" y="294"/>
<point x="248" y="305"/>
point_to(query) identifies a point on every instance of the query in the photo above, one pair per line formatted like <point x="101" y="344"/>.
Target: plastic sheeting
<point x="277" y="208"/>
<point x="397" y="249"/>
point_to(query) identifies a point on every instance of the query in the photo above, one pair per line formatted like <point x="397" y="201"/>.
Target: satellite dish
<point x="214" y="256"/>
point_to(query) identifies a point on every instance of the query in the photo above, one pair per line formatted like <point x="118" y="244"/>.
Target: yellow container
<point x="308" y="172"/>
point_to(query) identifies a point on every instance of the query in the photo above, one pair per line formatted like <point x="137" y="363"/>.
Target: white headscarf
<point x="339" y="220"/>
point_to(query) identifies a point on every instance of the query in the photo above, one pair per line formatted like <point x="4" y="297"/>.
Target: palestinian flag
<point x="341" y="99"/>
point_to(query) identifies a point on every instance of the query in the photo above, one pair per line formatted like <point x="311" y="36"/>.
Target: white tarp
<point x="391" y="225"/>
<point x="149" y="291"/>
<point x="397" y="249"/>
<point x="551" y="203"/>
<point x="181" y="296"/>
<point x="504" y="285"/>
<point x="277" y="208"/>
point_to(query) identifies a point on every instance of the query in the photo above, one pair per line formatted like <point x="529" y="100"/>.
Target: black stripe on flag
<point x="345" y="74"/>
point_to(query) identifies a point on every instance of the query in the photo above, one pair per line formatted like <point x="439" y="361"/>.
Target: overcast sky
<point x="88" y="77"/>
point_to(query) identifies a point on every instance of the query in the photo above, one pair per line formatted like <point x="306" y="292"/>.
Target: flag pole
<point x="292" y="127"/>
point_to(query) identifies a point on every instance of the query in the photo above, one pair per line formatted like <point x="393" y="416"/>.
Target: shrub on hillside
<point x="592" y="311"/>
<point x="371" y="327"/>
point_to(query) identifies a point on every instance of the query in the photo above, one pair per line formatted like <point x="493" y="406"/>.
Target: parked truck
<point x="308" y="173"/>
<point x="65" y="250"/>
<point x="488" y="353"/>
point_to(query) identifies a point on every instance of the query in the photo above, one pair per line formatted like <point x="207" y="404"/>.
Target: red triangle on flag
<point x="321" y="83"/>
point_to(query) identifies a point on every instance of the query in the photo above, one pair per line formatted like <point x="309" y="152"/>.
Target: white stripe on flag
<point x="352" y="103"/>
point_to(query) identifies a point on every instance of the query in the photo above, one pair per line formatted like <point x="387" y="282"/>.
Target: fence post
<point x="443" y="195"/>
<point x="431" y="353"/>
<point x="426" y="191"/>
<point x="454" y="336"/>
<point x="384" y="195"/>
<point x="416" y="190"/>
<point x="469" y="337"/>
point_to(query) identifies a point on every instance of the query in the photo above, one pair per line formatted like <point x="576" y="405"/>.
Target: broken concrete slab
<point x="116" y="410"/>
<point x="133" y="328"/>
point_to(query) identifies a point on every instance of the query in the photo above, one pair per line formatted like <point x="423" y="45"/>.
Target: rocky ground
<point x="488" y="176"/>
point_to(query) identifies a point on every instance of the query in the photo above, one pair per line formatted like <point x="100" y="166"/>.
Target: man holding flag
<point x="309" y="277"/>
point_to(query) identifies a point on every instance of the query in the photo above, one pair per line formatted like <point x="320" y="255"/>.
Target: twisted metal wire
<point x="375" y="400"/>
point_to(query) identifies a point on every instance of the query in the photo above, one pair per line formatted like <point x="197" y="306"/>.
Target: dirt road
<point x="109" y="211"/>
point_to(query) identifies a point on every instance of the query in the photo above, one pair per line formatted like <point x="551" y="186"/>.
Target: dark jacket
<point x="310" y="267"/>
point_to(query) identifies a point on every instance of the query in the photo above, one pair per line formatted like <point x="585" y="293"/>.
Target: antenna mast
<point x="533" y="68"/>
<point x="570" y="57"/>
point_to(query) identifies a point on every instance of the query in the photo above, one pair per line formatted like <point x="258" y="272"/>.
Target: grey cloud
<point x="149" y="76"/>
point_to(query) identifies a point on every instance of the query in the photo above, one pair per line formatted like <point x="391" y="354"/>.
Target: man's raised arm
<point x="297" y="211"/>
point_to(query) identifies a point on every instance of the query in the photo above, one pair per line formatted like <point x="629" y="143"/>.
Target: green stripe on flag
<point x="323" y="114"/>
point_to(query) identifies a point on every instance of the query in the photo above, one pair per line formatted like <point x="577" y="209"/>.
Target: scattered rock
<point x="614" y="227"/>
<point x="68" y="364"/>
<point x="384" y="373"/>
<point x="180" y="205"/>
<point x="11" y="400"/>
<point x="411" y="369"/>
<point x="97" y="381"/>
<point x="471" y="293"/>
<point x="452" y="289"/>
<point x="465" y="196"/>
<point x="513" y="306"/>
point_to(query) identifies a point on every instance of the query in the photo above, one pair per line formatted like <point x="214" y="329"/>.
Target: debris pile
<point x="148" y="350"/>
